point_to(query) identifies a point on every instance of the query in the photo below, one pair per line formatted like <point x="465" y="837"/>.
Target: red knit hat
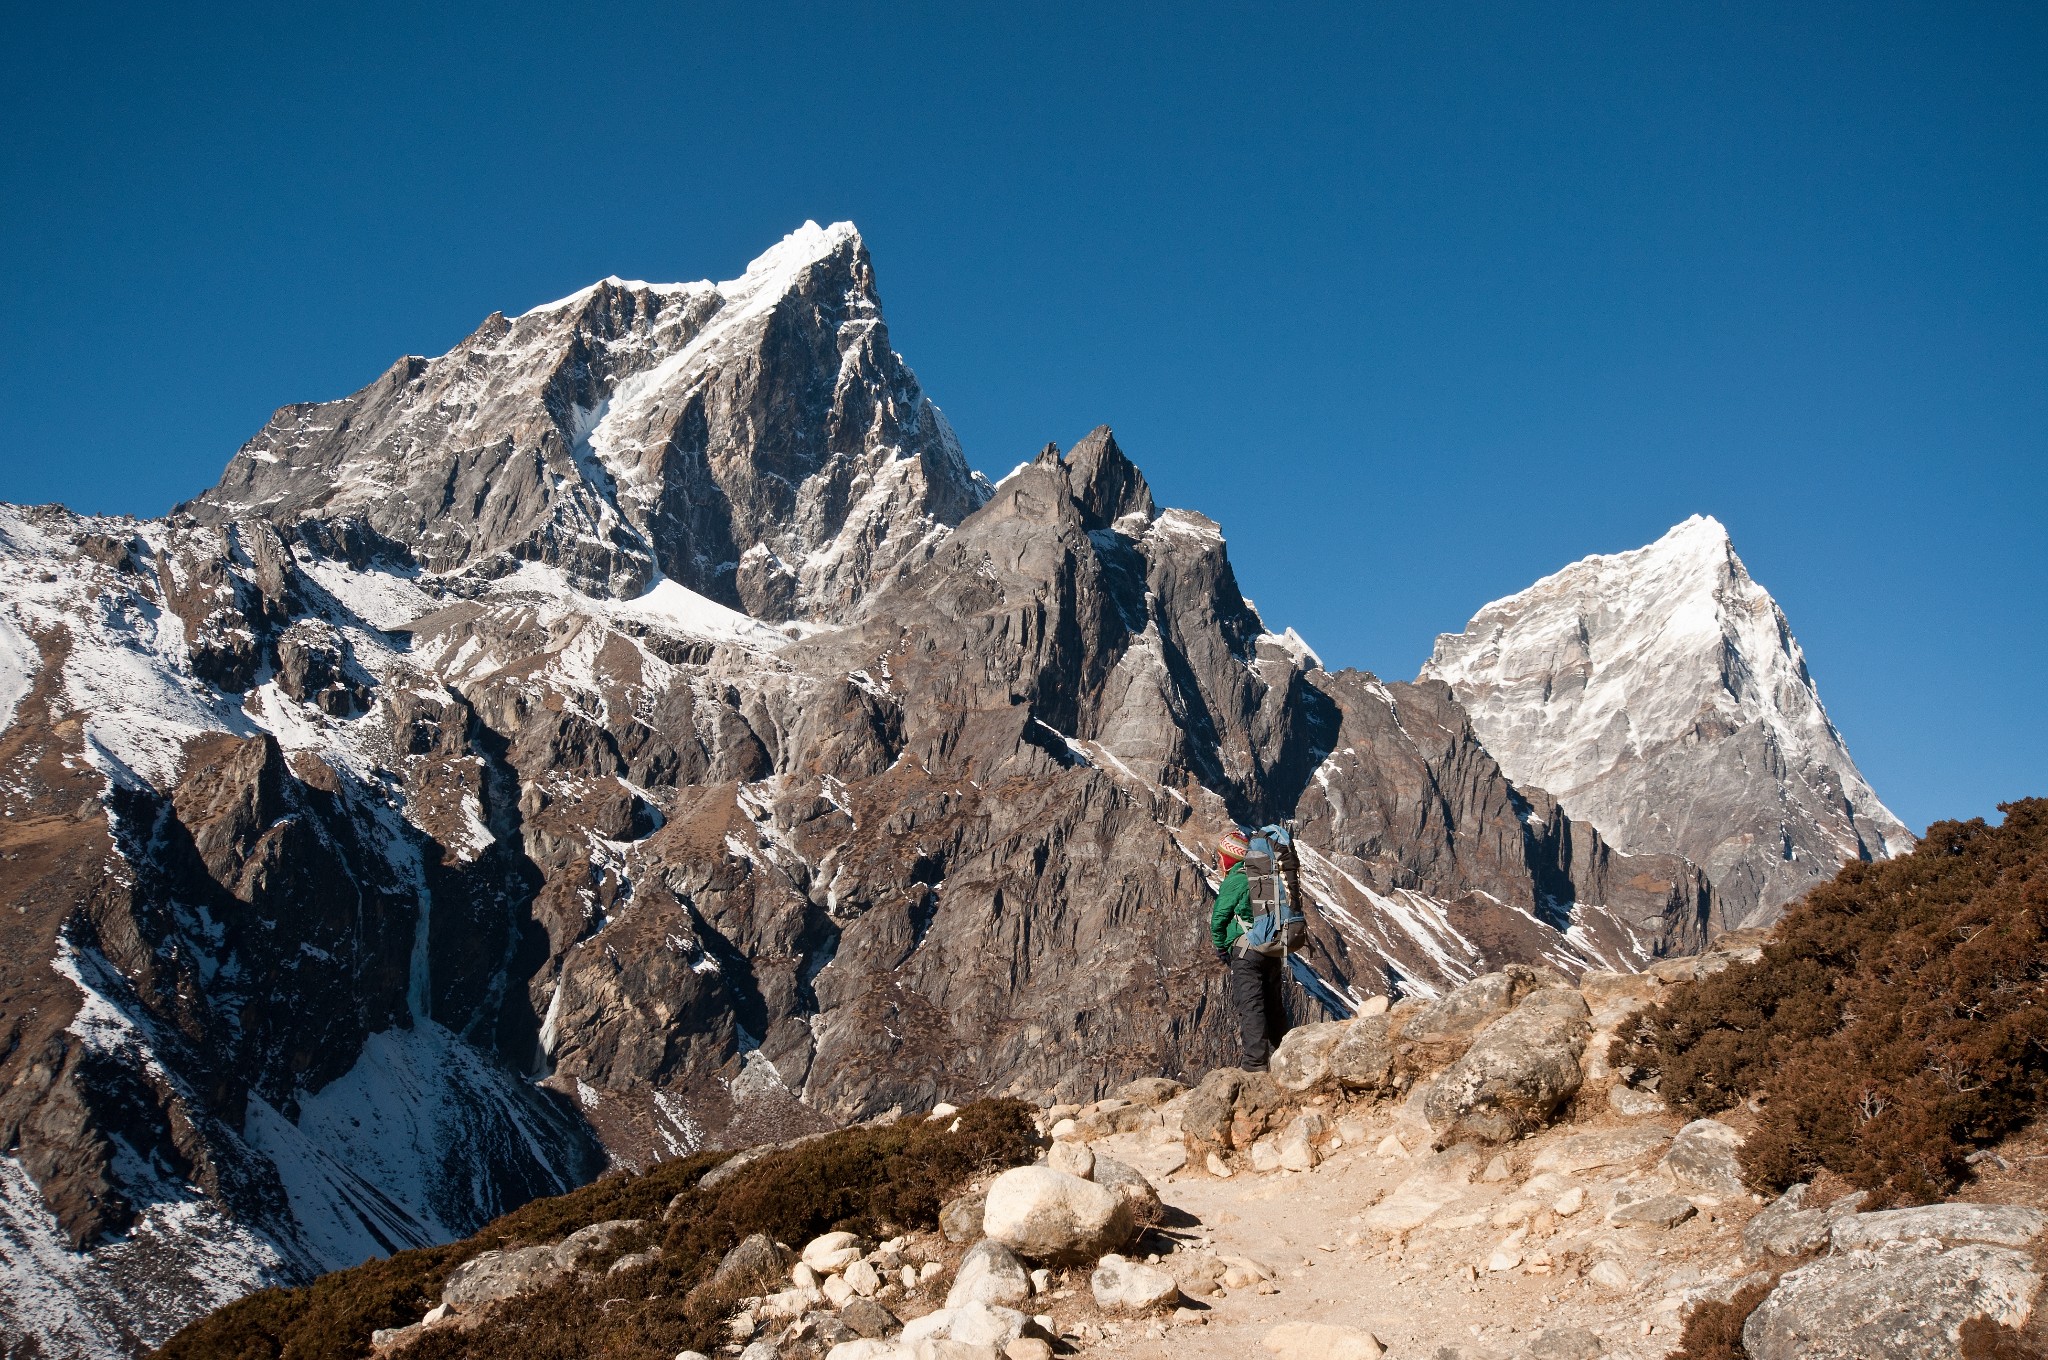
<point x="1232" y="845"/>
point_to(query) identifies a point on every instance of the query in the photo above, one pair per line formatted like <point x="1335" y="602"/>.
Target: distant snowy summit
<point x="756" y="440"/>
<point x="1660" y="695"/>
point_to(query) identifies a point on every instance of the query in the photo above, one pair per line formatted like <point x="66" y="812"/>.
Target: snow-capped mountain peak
<point x="1661" y="695"/>
<point x="755" y="440"/>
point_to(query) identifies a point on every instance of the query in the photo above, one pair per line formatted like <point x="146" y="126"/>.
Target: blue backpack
<point x="1277" y="924"/>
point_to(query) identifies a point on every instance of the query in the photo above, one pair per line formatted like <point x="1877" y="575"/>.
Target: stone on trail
<point x="1564" y="1343"/>
<point x="1906" y="1302"/>
<point x="1702" y="1159"/>
<point x="1244" y="1272"/>
<point x="1390" y="1146"/>
<point x="1303" y="1057"/>
<point x="1124" y="1286"/>
<point x="1322" y="1341"/>
<point x="1611" y="1275"/>
<point x="1588" y="1151"/>
<point x="1657" y="1211"/>
<point x="1439" y="1180"/>
<point x="989" y="1273"/>
<point x="1028" y="1348"/>
<point x="1216" y="1166"/>
<point x="1047" y="1215"/>
<point x="1789" y="1227"/>
<point x="1570" y="1202"/>
<point x="863" y="1348"/>
<point x="1071" y="1156"/>
<point x="2006" y="1225"/>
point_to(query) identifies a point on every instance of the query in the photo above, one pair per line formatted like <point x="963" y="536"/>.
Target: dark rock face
<point x="366" y="883"/>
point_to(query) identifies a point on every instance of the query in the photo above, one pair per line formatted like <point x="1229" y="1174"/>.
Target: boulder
<point x="1905" y="1302"/>
<point x="1365" y="1057"/>
<point x="1322" y="1341"/>
<point x="971" y="1324"/>
<point x="832" y="1252"/>
<point x="1702" y="1159"/>
<point x="1047" y="1215"/>
<point x="1516" y="1075"/>
<point x="498" y="1275"/>
<point x="1133" y="1188"/>
<point x="2006" y="1225"/>
<point x="1456" y="1018"/>
<point x="593" y="1240"/>
<point x="989" y="1273"/>
<point x="1122" y="1286"/>
<point x="1303" y="1057"/>
<point x="1789" y="1227"/>
<point x="1230" y="1109"/>
<point x="960" y="1218"/>
<point x="1071" y="1156"/>
<point x="862" y="1348"/>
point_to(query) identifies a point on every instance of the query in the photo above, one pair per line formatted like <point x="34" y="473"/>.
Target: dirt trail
<point x="1430" y="1288"/>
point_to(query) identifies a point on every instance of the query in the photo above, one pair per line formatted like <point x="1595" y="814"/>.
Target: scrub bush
<point x="1898" y="1021"/>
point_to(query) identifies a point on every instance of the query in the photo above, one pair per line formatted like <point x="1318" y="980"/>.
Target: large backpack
<point x="1269" y="868"/>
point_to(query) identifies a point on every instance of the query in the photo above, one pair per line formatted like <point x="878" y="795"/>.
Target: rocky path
<point x="1496" y="1270"/>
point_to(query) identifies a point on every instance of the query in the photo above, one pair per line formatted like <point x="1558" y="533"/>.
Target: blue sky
<point x="1420" y="301"/>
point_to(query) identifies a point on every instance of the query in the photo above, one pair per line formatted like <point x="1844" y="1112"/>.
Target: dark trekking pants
<point x="1255" y="996"/>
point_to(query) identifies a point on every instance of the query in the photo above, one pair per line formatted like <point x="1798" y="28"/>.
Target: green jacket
<point x="1232" y="914"/>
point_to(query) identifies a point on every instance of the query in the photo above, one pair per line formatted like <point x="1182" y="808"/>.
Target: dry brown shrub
<point x="869" y="1180"/>
<point x="1714" y="1331"/>
<point x="1983" y="1339"/>
<point x="1899" y="1020"/>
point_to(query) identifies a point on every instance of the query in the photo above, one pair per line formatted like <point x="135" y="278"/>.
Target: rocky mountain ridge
<point x="636" y="731"/>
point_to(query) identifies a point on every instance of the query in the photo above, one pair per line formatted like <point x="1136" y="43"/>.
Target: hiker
<point x="1254" y="971"/>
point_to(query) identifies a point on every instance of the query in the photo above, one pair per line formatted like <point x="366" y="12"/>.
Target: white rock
<point x="1322" y="1341"/>
<point x="928" y="1270"/>
<point x="1217" y="1167"/>
<point x="2008" y="1225"/>
<point x="1123" y="1286"/>
<point x="1065" y="1128"/>
<point x="790" y="1303"/>
<point x="1048" y="1215"/>
<point x="832" y="1253"/>
<point x="837" y="1291"/>
<point x="1570" y="1202"/>
<point x="1611" y="1275"/>
<point x="942" y="1111"/>
<point x="803" y="1276"/>
<point x="1041" y="1281"/>
<point x="1266" y="1155"/>
<point x="1391" y="1147"/>
<point x="909" y="1276"/>
<point x="1374" y="1005"/>
<point x="989" y="1273"/>
<point x="1071" y="1156"/>
<point x="864" y="1278"/>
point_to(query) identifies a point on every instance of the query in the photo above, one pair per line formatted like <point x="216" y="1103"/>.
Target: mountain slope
<point x="1660" y="695"/>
